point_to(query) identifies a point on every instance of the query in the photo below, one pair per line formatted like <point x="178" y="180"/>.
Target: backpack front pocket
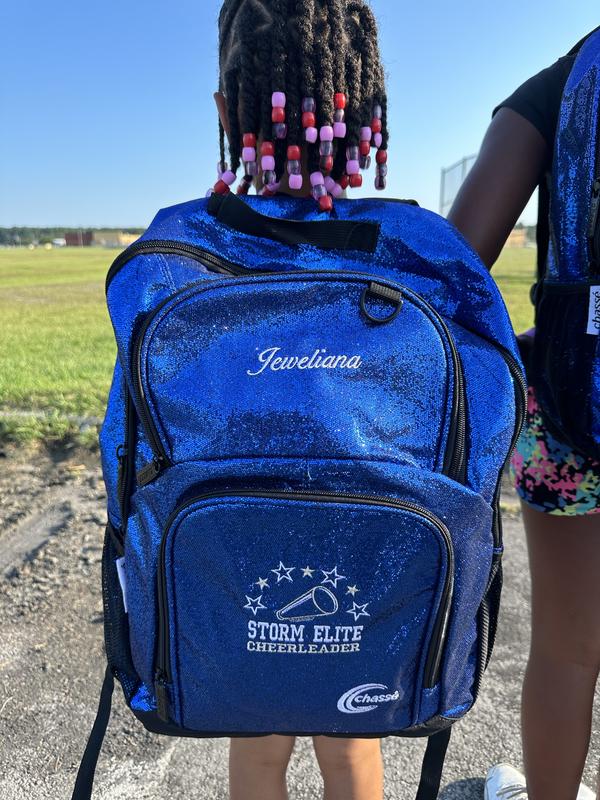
<point x="277" y="609"/>
<point x="292" y="367"/>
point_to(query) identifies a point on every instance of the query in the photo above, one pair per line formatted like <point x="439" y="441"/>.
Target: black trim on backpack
<point x="333" y="234"/>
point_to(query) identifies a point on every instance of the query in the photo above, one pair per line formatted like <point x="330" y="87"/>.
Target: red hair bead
<point x="326" y="163"/>
<point x="278" y="114"/>
<point x="381" y="156"/>
<point x="221" y="187"/>
<point x="344" y="181"/>
<point x="339" y="100"/>
<point x="355" y="181"/>
<point x="267" y="149"/>
<point x="309" y="120"/>
<point x="365" y="148"/>
<point x="293" y="153"/>
<point x="249" y="140"/>
<point x="326" y="202"/>
<point x="376" y="125"/>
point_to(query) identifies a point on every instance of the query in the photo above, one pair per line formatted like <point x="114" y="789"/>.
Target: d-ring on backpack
<point x="302" y="452"/>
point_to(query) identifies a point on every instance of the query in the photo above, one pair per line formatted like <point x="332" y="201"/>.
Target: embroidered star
<point x="358" y="611"/>
<point x="307" y="572"/>
<point x="352" y="590"/>
<point x="332" y="580"/>
<point x="283" y="573"/>
<point x="261" y="583"/>
<point x="254" y="604"/>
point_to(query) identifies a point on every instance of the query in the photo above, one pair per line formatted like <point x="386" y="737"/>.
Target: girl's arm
<point x="508" y="168"/>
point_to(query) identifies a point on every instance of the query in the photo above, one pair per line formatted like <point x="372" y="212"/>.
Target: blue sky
<point x="108" y="115"/>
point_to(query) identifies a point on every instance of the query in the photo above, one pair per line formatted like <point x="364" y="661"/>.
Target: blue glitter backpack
<point x="302" y="453"/>
<point x="565" y="363"/>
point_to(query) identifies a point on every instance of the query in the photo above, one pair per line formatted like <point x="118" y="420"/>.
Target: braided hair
<point x="294" y="72"/>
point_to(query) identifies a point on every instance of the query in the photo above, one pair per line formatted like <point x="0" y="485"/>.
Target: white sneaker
<point x="504" y="782"/>
<point x="585" y="793"/>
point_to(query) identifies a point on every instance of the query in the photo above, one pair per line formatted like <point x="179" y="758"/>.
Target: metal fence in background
<point x="451" y="181"/>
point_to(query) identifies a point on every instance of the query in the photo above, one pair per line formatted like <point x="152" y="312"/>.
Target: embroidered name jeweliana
<point x="270" y="359"/>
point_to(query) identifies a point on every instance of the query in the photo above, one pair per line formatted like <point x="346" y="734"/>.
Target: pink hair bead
<point x="377" y="139"/>
<point x="249" y="154"/>
<point x="365" y="134"/>
<point x="295" y="181"/>
<point x="278" y="99"/>
<point x="311" y="135"/>
<point x="326" y="133"/>
<point x="274" y="187"/>
<point x="267" y="163"/>
<point x="352" y="167"/>
<point x="337" y="190"/>
<point x="316" y="178"/>
<point x="329" y="184"/>
<point x="339" y="130"/>
<point x="228" y="177"/>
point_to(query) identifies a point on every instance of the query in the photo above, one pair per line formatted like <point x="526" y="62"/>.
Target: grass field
<point x="56" y="343"/>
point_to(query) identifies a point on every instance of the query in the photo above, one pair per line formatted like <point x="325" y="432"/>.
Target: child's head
<point x="301" y="95"/>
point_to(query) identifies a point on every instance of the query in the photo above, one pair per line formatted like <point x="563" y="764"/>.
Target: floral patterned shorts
<point x="548" y="475"/>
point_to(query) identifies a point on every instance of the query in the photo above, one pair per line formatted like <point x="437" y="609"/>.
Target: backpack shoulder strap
<point x="87" y="769"/>
<point x="433" y="765"/>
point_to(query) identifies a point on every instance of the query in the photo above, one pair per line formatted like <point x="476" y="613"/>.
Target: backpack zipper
<point x="163" y="673"/>
<point x="454" y="465"/>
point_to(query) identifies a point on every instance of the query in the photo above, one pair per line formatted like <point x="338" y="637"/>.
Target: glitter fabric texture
<point x="262" y="595"/>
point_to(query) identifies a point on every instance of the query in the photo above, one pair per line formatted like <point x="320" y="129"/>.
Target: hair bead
<point x="339" y="130"/>
<point x="221" y="187"/>
<point x="294" y="153"/>
<point x="365" y="162"/>
<point x="339" y="100"/>
<point x="380" y="182"/>
<point x="228" y="177"/>
<point x="326" y="202"/>
<point x="326" y="133"/>
<point x="295" y="181"/>
<point x="364" y="147"/>
<point x="267" y="149"/>
<point x="356" y="180"/>
<point x="381" y="156"/>
<point x="376" y="125"/>
<point x="377" y="140"/>
<point x="269" y="177"/>
<point x="326" y="163"/>
<point x="311" y="134"/>
<point x="249" y="140"/>
<point x="309" y="105"/>
<point x="316" y="179"/>
<point x="248" y="154"/>
<point x="278" y="99"/>
<point x="267" y="163"/>
<point x="294" y="167"/>
<point x="280" y="130"/>
<point x="352" y="167"/>
<point x="278" y="115"/>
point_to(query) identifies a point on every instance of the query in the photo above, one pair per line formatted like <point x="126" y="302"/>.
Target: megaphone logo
<point x="317" y="602"/>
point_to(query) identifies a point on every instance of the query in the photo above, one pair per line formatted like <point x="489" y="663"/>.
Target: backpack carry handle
<point x="335" y="234"/>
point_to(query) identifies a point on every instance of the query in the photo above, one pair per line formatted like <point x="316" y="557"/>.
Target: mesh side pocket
<point x="116" y="629"/>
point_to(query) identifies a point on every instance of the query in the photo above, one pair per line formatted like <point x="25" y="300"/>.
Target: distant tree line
<point x="26" y="236"/>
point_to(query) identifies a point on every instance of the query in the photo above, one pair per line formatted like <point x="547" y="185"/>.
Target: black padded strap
<point x="85" y="776"/>
<point x="433" y="765"/>
<point x="334" y="234"/>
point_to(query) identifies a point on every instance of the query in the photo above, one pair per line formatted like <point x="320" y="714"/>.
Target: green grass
<point x="56" y="342"/>
<point x="515" y="272"/>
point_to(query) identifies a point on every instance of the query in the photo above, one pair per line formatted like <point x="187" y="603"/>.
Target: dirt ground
<point x="51" y="662"/>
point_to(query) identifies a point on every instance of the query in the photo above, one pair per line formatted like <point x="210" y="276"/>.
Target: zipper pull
<point x="150" y="471"/>
<point x="161" y="686"/>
